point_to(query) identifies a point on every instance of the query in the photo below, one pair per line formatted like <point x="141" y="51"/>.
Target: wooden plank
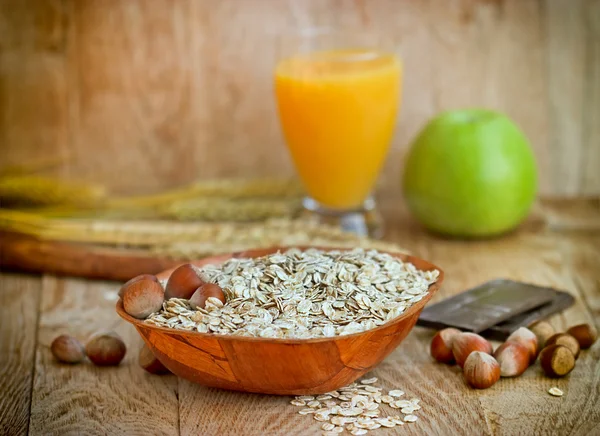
<point x="591" y="115"/>
<point x="85" y="399"/>
<point x="33" y="84"/>
<point x="513" y="406"/>
<point x="536" y="258"/>
<point x="566" y="69"/>
<point x="490" y="54"/>
<point x="19" y="299"/>
<point x="80" y="79"/>
<point x="581" y="257"/>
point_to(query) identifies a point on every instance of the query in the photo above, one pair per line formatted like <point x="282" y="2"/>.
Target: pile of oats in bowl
<point x="302" y="294"/>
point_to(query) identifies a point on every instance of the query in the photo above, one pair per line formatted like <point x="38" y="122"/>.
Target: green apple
<point x="470" y="173"/>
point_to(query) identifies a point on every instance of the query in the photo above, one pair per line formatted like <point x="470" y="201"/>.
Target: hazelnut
<point x="142" y="297"/>
<point x="135" y="279"/>
<point x="585" y="334"/>
<point x="67" y="349"/>
<point x="184" y="281"/>
<point x="528" y="339"/>
<point x="557" y="360"/>
<point x="567" y="340"/>
<point x="204" y="292"/>
<point x="149" y="362"/>
<point x="441" y="345"/>
<point x="481" y="370"/>
<point x="513" y="359"/>
<point x="543" y="331"/>
<point x="105" y="349"/>
<point x="464" y="344"/>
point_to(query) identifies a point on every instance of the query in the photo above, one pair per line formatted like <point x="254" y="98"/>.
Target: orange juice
<point x="338" y="111"/>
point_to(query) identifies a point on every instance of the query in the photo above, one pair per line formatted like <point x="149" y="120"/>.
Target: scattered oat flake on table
<point x="555" y="392"/>
<point x="369" y="381"/>
<point x="396" y="393"/>
<point x="356" y="408"/>
<point x="306" y="411"/>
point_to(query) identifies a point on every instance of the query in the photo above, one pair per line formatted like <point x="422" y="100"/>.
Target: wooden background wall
<point x="144" y="94"/>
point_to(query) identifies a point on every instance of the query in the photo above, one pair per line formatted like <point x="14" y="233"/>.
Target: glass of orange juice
<point x="338" y="97"/>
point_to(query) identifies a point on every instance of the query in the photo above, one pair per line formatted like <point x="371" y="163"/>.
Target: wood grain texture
<point x="85" y="399"/>
<point x="567" y="260"/>
<point x="277" y="366"/>
<point x="82" y="399"/>
<point x="148" y="94"/>
<point x="19" y="300"/>
<point x="540" y="259"/>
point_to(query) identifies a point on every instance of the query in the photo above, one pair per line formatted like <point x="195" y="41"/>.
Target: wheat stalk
<point x="209" y="200"/>
<point x="222" y="188"/>
<point x="35" y="190"/>
<point x="207" y="209"/>
<point x="176" y="239"/>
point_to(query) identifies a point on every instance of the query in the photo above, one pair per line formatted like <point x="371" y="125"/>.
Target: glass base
<point x="364" y="220"/>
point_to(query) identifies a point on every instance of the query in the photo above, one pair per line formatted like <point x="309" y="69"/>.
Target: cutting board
<point x="24" y="253"/>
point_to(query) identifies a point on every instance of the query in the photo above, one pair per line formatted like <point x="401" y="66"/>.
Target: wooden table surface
<point x="558" y="247"/>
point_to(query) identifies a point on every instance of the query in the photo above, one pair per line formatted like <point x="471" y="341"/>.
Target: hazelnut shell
<point x="543" y="331"/>
<point x="135" y="279"/>
<point x="441" y="345"/>
<point x="183" y="282"/>
<point x="481" y="370"/>
<point x="557" y="360"/>
<point x="142" y="298"/>
<point x="105" y="349"/>
<point x="204" y="292"/>
<point x="567" y="340"/>
<point x="528" y="339"/>
<point x="150" y="363"/>
<point x="464" y="344"/>
<point x="513" y="358"/>
<point x="585" y="334"/>
<point x="67" y="349"/>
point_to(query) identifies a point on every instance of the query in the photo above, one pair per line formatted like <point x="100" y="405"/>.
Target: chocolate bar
<point x="486" y="307"/>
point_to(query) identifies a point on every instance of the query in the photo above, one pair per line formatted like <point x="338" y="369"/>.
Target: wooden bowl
<point x="277" y="366"/>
